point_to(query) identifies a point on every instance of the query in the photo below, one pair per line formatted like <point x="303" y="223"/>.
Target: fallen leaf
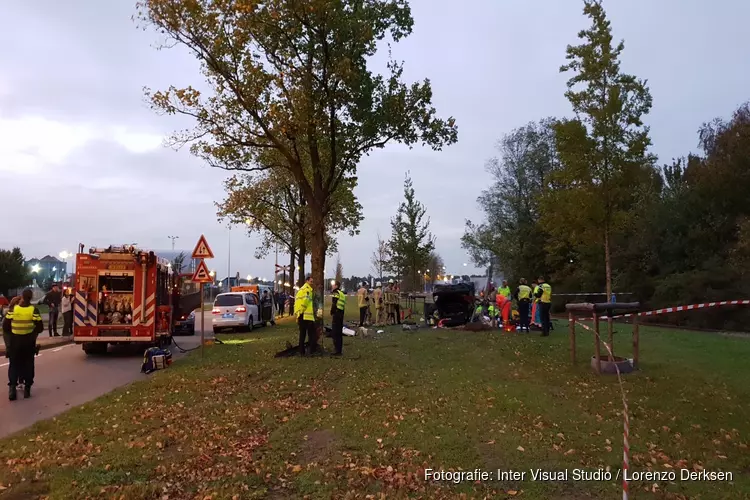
<point x="512" y="492"/>
<point x="297" y="468"/>
<point x="520" y="448"/>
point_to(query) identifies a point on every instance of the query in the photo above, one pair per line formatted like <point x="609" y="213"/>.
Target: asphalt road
<point x="66" y="377"/>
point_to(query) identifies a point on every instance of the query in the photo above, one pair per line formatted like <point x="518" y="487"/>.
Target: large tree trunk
<point x="301" y="257"/>
<point x="291" y="270"/>
<point x="318" y="258"/>
<point x="608" y="277"/>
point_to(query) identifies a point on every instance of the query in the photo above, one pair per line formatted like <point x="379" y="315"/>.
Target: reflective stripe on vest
<point x="524" y="292"/>
<point x="22" y="320"/>
<point x="340" y="300"/>
<point x="546" y="293"/>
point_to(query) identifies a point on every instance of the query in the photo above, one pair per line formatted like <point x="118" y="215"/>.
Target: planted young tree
<point x="380" y="258"/>
<point x="178" y="262"/>
<point x="339" y="270"/>
<point x="293" y="78"/>
<point x="411" y="241"/>
<point x="604" y="150"/>
<point x="435" y="266"/>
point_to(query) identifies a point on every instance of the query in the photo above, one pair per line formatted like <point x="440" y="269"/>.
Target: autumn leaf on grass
<point x="520" y="448"/>
<point x="297" y="468"/>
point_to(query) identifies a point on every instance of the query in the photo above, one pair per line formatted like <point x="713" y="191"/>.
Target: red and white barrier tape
<point x="590" y="293"/>
<point x="668" y="310"/>
<point x="625" y="419"/>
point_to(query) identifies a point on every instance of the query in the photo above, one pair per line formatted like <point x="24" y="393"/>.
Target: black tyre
<point x="216" y="330"/>
<point x="191" y="331"/>
<point x="95" y="348"/>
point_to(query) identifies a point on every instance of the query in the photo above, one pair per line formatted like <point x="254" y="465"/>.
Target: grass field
<point x="241" y="424"/>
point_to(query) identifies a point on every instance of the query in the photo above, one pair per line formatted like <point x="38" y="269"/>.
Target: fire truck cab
<point x="122" y="296"/>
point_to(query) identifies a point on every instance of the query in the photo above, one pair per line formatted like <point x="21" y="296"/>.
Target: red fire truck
<point x="123" y="295"/>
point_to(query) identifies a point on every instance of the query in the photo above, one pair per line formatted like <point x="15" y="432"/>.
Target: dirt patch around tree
<point x="318" y="446"/>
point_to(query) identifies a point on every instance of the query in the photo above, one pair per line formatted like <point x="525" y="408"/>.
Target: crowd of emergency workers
<point x="532" y="306"/>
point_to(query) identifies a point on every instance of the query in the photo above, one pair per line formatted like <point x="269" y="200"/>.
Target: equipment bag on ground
<point x="156" y="359"/>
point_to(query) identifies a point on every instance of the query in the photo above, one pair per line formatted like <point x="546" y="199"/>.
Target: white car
<point x="235" y="310"/>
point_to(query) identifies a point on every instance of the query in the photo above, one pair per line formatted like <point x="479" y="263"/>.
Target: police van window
<point x="251" y="299"/>
<point x="228" y="300"/>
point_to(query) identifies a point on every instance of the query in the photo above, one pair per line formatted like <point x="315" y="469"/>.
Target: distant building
<point x="47" y="268"/>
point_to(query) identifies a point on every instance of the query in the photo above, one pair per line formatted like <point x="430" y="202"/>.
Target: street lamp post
<point x="64" y="256"/>
<point x="173" y="238"/>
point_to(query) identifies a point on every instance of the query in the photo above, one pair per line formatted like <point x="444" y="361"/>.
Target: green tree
<point x="13" y="273"/>
<point x="178" y="262"/>
<point x="435" y="267"/>
<point x="339" y="270"/>
<point x="604" y="150"/>
<point x="292" y="77"/>
<point x="511" y="238"/>
<point x="411" y="241"/>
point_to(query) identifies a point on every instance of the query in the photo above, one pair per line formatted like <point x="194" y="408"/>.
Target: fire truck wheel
<point x="95" y="348"/>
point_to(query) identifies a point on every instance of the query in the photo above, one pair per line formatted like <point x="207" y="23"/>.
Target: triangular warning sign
<point x="201" y="274"/>
<point x="202" y="250"/>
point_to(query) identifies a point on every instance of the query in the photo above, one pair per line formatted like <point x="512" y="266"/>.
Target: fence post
<point x="636" y="339"/>
<point x="572" y="330"/>
<point x="597" y="344"/>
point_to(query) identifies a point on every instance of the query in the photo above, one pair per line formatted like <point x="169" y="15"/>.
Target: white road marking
<point x="4" y="364"/>
<point x="58" y="349"/>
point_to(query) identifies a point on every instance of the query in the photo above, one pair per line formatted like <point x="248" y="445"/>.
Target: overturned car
<point x="453" y="303"/>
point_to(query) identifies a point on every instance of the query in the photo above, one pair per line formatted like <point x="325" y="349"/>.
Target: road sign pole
<point x="202" y="275"/>
<point x="203" y="320"/>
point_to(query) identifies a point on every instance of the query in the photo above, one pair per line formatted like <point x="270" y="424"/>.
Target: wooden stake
<point x="636" y="340"/>
<point x="597" y="344"/>
<point x="572" y="330"/>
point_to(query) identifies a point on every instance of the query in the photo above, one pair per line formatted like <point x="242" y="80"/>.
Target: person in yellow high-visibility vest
<point x="338" y="305"/>
<point x="544" y="294"/>
<point x="523" y="296"/>
<point x="305" y="314"/>
<point x="536" y="311"/>
<point x="504" y="290"/>
<point x="23" y="323"/>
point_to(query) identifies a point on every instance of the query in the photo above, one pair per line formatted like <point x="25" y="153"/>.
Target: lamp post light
<point x="64" y="256"/>
<point x="173" y="238"/>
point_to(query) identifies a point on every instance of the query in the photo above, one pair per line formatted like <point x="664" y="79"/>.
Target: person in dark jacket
<point x="53" y="300"/>
<point x="23" y="323"/>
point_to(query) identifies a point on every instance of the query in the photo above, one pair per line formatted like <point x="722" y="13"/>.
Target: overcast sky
<point x="81" y="155"/>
